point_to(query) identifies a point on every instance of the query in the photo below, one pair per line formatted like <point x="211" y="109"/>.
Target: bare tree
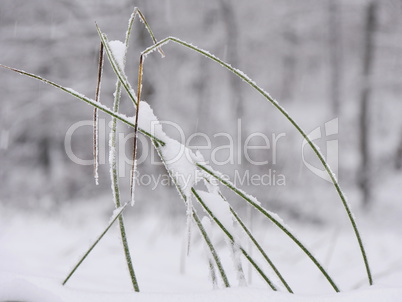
<point x="364" y="119"/>
<point x="289" y="60"/>
<point x="335" y="53"/>
<point x="232" y="33"/>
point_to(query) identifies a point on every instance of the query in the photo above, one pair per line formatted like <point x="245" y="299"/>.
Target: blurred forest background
<point x="321" y="59"/>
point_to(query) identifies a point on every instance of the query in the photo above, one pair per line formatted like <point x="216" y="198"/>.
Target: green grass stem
<point x="266" y="95"/>
<point x="117" y="215"/>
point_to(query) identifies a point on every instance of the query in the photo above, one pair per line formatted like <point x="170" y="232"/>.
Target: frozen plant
<point x="192" y="166"/>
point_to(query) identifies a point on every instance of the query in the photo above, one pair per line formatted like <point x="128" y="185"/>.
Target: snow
<point x="149" y="122"/>
<point x="20" y="289"/>
<point x="219" y="207"/>
<point x="33" y="262"/>
<point x="212" y="180"/>
<point x="119" y="52"/>
<point x="179" y="160"/>
<point x="112" y="162"/>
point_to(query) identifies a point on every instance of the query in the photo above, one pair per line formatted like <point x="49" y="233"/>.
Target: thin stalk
<point x="244" y="227"/>
<point x="155" y="140"/>
<point x="120" y="117"/>
<point x="212" y="250"/>
<point x="115" y="66"/>
<point x="214" y="280"/>
<point x="142" y="17"/>
<point x="275" y="221"/>
<point x="113" y="166"/>
<point x="197" y="220"/>
<point x="255" y="242"/>
<point x="124" y="119"/>
<point x="94" y="244"/>
<point x="266" y="95"/>
<point x="127" y="255"/>
<point x="232" y="240"/>
<point x="139" y="89"/>
<point x="95" y="117"/>
<point x="103" y="108"/>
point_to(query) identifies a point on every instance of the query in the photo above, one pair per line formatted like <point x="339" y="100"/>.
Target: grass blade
<point x="266" y="95"/>
<point x="115" y="66"/>
<point x="211" y="248"/>
<point x="260" y="249"/>
<point x="231" y="238"/>
<point x="113" y="162"/>
<point x="95" y="117"/>
<point x="197" y="221"/>
<point x="117" y="215"/>
<point x="274" y="220"/>
<point x="139" y="89"/>
<point x="255" y="242"/>
<point x="121" y="117"/>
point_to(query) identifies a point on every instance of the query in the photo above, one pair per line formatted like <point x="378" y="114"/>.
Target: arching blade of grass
<point x="212" y="249"/>
<point x="113" y="62"/>
<point x="232" y="240"/>
<point x="260" y="249"/>
<point x="117" y="215"/>
<point x="116" y="67"/>
<point x="255" y="242"/>
<point x="125" y="120"/>
<point x="156" y="141"/>
<point x="274" y="219"/>
<point x="265" y="94"/>
<point x="121" y="117"/>
<point x="143" y="20"/>
<point x="197" y="220"/>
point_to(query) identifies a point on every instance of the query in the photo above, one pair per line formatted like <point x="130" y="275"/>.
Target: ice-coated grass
<point x="315" y="149"/>
<point x="222" y="214"/>
<point x="95" y="118"/>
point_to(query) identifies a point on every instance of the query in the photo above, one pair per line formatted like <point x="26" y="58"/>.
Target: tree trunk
<point x="335" y="53"/>
<point x="364" y="119"/>
<point x="289" y="60"/>
<point x="232" y="34"/>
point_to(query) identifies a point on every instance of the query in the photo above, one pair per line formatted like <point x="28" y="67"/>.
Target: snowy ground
<point x="38" y="250"/>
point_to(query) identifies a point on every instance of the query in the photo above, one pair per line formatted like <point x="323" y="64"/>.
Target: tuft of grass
<point x="135" y="97"/>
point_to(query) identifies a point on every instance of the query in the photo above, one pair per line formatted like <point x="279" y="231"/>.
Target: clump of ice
<point x="119" y="51"/>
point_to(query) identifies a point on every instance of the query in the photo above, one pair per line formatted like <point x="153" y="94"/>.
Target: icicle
<point x="188" y="223"/>
<point x="237" y="264"/>
<point x="206" y="223"/>
<point x="133" y="179"/>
